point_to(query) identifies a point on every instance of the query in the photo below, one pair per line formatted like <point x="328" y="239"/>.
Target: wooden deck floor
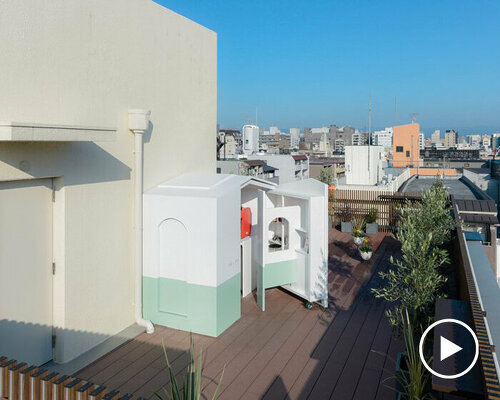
<point x="286" y="352"/>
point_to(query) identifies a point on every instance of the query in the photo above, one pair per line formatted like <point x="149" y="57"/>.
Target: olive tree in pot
<point x="371" y="221"/>
<point x="415" y="280"/>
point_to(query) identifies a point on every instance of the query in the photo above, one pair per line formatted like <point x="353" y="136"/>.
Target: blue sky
<point x="315" y="62"/>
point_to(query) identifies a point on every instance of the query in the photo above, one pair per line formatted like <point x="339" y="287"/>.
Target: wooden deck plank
<point x="307" y="379"/>
<point x="285" y="352"/>
<point x="373" y="368"/>
<point x="353" y="338"/>
<point x="245" y="379"/>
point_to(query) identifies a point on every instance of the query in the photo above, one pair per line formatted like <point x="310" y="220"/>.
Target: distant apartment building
<point x="451" y="158"/>
<point x="313" y="135"/>
<point x="290" y="168"/>
<point x="436" y="138"/>
<point x="450" y="138"/>
<point x="228" y="145"/>
<point x="486" y="142"/>
<point x="273" y="130"/>
<point x="421" y="141"/>
<point x="324" y="144"/>
<point x="335" y="166"/>
<point x="383" y="138"/>
<point x="339" y="137"/>
<point x="294" y="138"/>
<point x="495" y="141"/>
<point x="474" y="141"/>
<point x="406" y="145"/>
<point x="364" y="165"/>
<point x="359" y="139"/>
<point x="255" y="168"/>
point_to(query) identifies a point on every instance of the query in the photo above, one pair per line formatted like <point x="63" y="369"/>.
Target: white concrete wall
<point x="86" y="63"/>
<point x="363" y="164"/>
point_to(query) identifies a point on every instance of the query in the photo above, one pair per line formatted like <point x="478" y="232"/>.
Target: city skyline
<point x="306" y="65"/>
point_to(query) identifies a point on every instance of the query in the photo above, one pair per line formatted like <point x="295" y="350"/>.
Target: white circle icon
<point x="450" y="348"/>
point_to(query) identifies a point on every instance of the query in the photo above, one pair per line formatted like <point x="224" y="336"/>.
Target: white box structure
<point x="197" y="267"/>
<point x="294" y="225"/>
<point x="192" y="253"/>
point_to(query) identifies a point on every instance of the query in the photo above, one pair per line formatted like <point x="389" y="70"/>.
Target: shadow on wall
<point x="137" y="367"/>
<point x="32" y="343"/>
<point x="146" y="137"/>
<point x="79" y="162"/>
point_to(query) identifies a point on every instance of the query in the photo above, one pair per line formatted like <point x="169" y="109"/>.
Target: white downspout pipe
<point x="138" y="124"/>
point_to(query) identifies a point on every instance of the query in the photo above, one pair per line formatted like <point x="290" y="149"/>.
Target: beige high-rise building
<point x="436" y="138"/>
<point x="451" y="138"/>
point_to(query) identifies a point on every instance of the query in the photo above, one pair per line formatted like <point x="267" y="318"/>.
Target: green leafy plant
<point x="359" y="222"/>
<point x="372" y="216"/>
<point x="435" y="213"/>
<point x="326" y="176"/>
<point x="344" y="214"/>
<point x="415" y="380"/>
<point x="365" y="248"/>
<point x="358" y="233"/>
<point x="414" y="282"/>
<point x="191" y="389"/>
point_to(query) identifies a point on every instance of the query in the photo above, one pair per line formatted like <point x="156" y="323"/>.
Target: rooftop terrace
<point x="456" y="187"/>
<point x="286" y="352"/>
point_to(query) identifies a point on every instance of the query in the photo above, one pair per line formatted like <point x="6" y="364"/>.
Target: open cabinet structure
<point x="196" y="265"/>
<point x="293" y="225"/>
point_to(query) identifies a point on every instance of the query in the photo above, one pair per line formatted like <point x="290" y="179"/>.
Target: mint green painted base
<point x="272" y="275"/>
<point x="194" y="308"/>
<point x="280" y="273"/>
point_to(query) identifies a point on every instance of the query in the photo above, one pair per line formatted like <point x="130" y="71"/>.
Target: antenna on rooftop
<point x="369" y="132"/>
<point x="369" y="118"/>
<point x="256" y="116"/>
<point x="413" y="117"/>
<point x="395" y="110"/>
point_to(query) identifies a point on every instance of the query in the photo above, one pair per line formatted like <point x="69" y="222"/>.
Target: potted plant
<point x="358" y="236"/>
<point x="371" y="221"/>
<point x="365" y="250"/>
<point x="412" y="379"/>
<point x="345" y="217"/>
<point x="190" y="387"/>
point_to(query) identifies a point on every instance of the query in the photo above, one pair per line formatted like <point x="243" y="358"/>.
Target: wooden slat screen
<point x="360" y="202"/>
<point x="19" y="381"/>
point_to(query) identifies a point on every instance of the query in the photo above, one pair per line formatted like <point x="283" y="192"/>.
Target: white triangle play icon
<point x="448" y="348"/>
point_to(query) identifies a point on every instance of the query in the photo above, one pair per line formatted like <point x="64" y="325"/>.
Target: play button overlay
<point x="455" y="349"/>
<point x="447" y="348"/>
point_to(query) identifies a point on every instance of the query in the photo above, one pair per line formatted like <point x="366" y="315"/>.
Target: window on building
<point x="399" y="149"/>
<point x="407" y="153"/>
